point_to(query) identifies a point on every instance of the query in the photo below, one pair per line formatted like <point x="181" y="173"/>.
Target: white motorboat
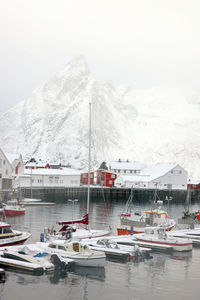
<point x="158" y="235"/>
<point x="41" y="259"/>
<point x="9" y="237"/>
<point x="80" y="253"/>
<point x="112" y="249"/>
<point x="36" y="255"/>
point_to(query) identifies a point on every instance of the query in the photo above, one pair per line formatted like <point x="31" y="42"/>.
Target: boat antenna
<point x="89" y="159"/>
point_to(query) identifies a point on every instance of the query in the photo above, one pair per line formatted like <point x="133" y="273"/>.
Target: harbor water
<point x="164" y="276"/>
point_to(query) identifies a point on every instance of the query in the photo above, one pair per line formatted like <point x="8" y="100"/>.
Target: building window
<point x="32" y="180"/>
<point x="118" y="171"/>
<point x="124" y="171"/>
<point x="131" y="171"/>
<point x="50" y="181"/>
<point x="4" y="162"/>
<point x="0" y="163"/>
<point x="115" y="170"/>
<point x="61" y="181"/>
<point x="0" y="175"/>
<point x="6" y="172"/>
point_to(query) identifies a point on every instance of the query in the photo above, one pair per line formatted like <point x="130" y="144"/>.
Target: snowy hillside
<point x="149" y="126"/>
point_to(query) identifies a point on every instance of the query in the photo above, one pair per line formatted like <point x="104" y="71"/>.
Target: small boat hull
<point x="13" y="212"/>
<point x="176" y="244"/>
<point x="99" y="262"/>
<point x="15" y="240"/>
<point x="20" y="266"/>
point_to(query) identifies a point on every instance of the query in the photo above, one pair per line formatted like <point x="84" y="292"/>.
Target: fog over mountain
<point x="150" y="126"/>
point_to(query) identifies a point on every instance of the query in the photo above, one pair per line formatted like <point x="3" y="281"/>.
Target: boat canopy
<point x="64" y="224"/>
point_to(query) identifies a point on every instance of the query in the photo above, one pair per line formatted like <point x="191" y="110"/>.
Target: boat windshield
<point x="7" y="230"/>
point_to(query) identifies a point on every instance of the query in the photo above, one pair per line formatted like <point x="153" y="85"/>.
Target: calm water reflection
<point x="164" y="276"/>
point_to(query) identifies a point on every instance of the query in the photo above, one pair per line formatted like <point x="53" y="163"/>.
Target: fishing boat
<point x="81" y="254"/>
<point x="12" y="208"/>
<point x="9" y="237"/>
<point x="136" y="222"/>
<point x="158" y="235"/>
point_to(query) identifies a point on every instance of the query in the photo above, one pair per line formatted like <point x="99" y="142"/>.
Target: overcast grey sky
<point x="142" y="43"/>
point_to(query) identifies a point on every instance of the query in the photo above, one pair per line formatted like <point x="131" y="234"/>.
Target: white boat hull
<point x="176" y="244"/>
<point x="89" y="262"/>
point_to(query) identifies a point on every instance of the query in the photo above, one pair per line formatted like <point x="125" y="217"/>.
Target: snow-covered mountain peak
<point x="150" y="126"/>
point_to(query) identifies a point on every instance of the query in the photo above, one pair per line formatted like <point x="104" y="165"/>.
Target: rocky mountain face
<point x="150" y="126"/>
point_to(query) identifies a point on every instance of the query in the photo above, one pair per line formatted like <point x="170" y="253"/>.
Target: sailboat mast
<point x="89" y="159"/>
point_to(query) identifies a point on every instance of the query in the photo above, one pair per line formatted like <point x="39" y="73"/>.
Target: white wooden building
<point x="17" y="163"/>
<point x="65" y="177"/>
<point x="125" y="167"/>
<point x="162" y="176"/>
<point x="5" y="172"/>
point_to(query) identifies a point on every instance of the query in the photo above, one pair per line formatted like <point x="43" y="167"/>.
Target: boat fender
<point x="42" y="237"/>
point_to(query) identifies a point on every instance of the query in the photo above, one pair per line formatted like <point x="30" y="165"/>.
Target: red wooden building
<point x="37" y="165"/>
<point x="84" y="178"/>
<point x="105" y="178"/>
<point x="193" y="185"/>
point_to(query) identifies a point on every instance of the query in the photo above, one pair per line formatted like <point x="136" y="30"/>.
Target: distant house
<point x="84" y="178"/>
<point x="99" y="177"/>
<point x="37" y="165"/>
<point x="5" y="172"/>
<point x="105" y="178"/>
<point x="193" y="184"/>
<point x="17" y="163"/>
<point x="44" y="177"/>
<point x="162" y="176"/>
<point x="125" y="167"/>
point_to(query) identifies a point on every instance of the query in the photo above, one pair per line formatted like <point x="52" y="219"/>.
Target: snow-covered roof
<point x="52" y="172"/>
<point x="157" y="170"/>
<point x="36" y="164"/>
<point x="125" y="165"/>
<point x="193" y="181"/>
<point x="12" y="156"/>
<point x="150" y="173"/>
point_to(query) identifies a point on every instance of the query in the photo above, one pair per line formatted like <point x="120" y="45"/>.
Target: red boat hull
<point x="13" y="213"/>
<point x="14" y="243"/>
<point x="121" y="231"/>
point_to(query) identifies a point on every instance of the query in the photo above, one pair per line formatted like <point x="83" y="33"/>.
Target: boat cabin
<point x="155" y="217"/>
<point x="5" y="231"/>
<point x="13" y="202"/>
<point x="71" y="246"/>
<point x="156" y="231"/>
